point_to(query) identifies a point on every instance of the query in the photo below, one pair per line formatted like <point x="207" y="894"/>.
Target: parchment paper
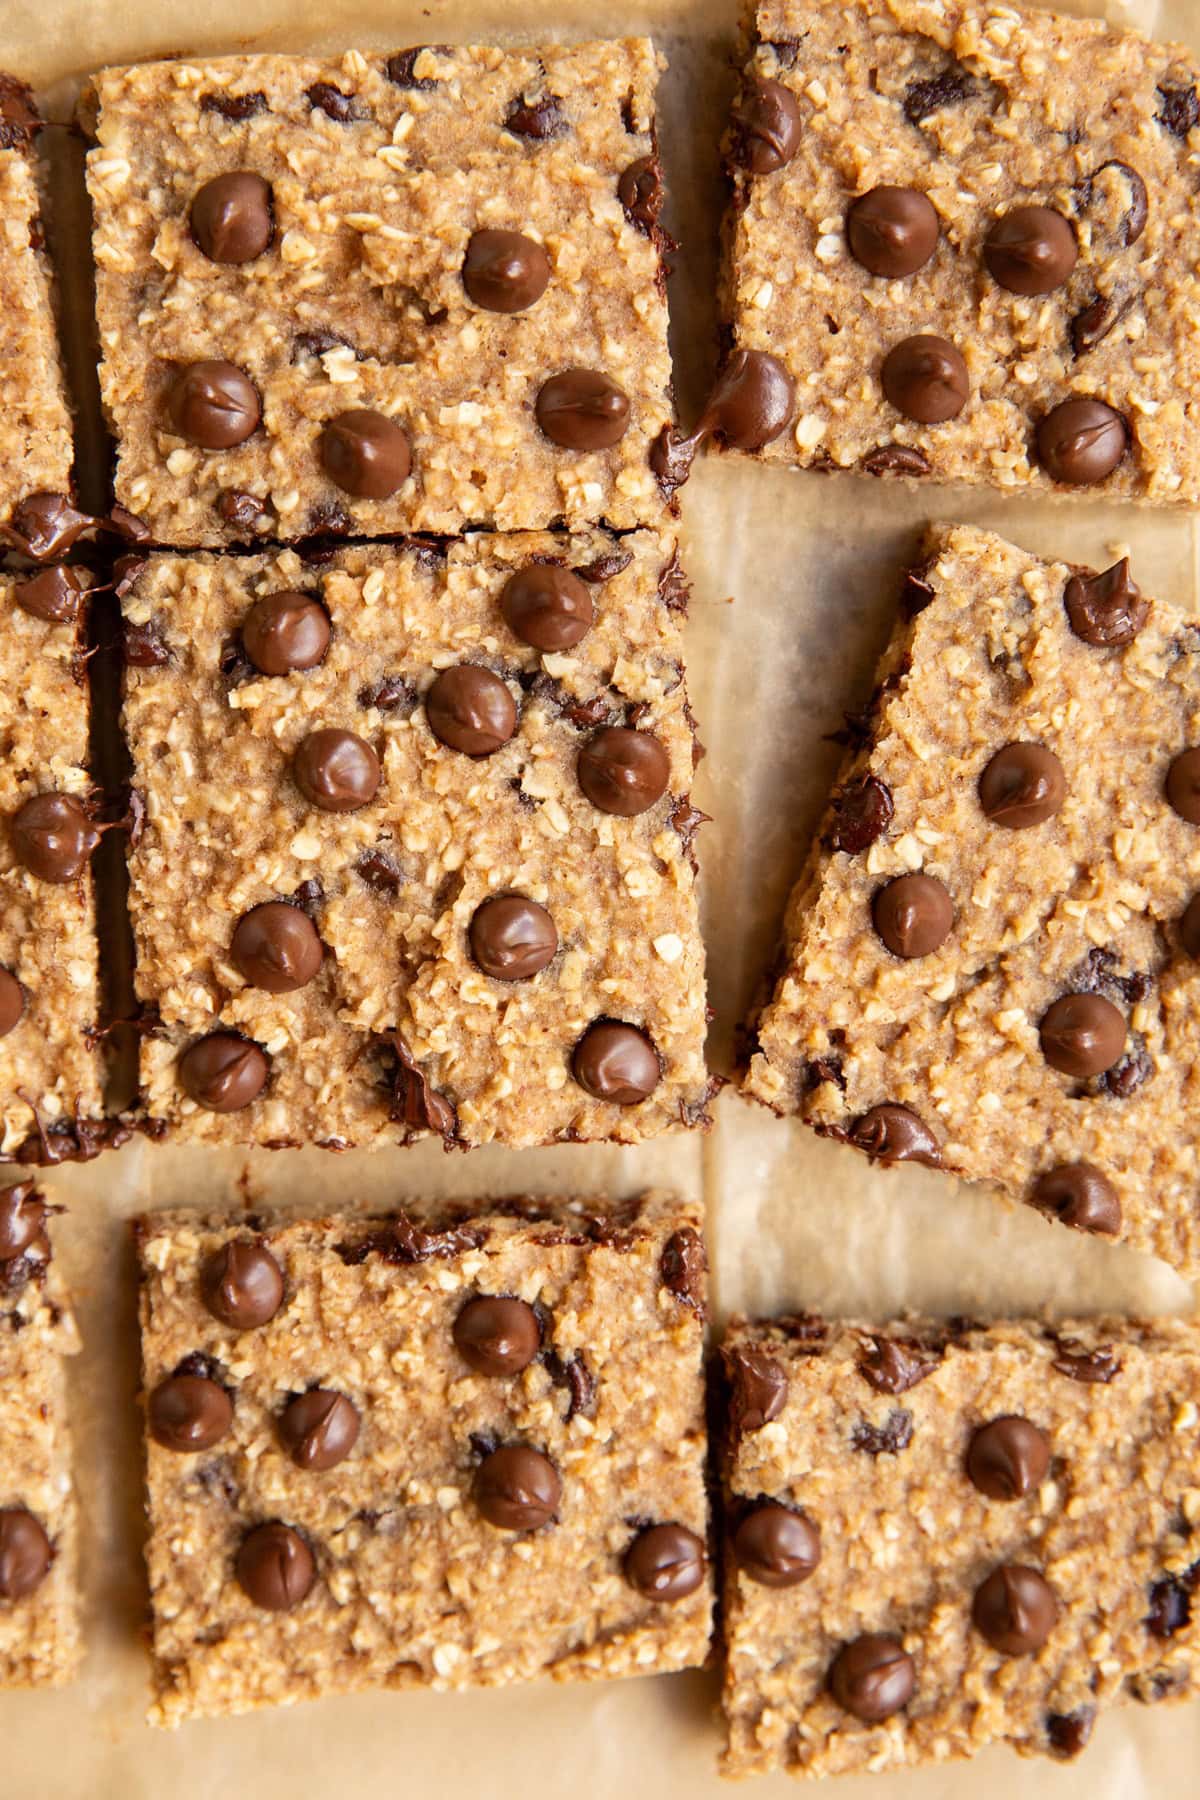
<point x="795" y="578"/>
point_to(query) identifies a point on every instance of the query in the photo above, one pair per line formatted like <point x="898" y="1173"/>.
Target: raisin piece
<point x="343" y="109"/>
<point x="862" y="812"/>
<point x="235" y="107"/>
<point x="1180" y="110"/>
<point x="950" y="88"/>
<point x="538" y="119"/>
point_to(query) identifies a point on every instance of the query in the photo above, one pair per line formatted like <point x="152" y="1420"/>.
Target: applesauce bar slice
<point x="961" y="248"/>
<point x="454" y="1451"/>
<point x="382" y="293"/>
<point x="40" y="1640"/>
<point x="990" y="960"/>
<point x="35" y="435"/>
<point x="941" y="1536"/>
<point x="417" y="846"/>
<point x="50" y="1073"/>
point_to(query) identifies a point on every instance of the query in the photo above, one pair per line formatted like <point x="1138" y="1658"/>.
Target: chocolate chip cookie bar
<point x="991" y="959"/>
<point x="417" y="850"/>
<point x="50" y="1099"/>
<point x="961" y="247"/>
<point x="40" y="1642"/>
<point x="943" y="1536"/>
<point x="36" y="432"/>
<point x="389" y="1454"/>
<point x="419" y="291"/>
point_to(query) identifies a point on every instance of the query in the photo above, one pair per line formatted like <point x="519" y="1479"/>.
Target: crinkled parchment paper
<point x="795" y="578"/>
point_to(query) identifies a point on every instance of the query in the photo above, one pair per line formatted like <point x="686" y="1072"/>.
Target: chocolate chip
<point x="504" y="272"/>
<point x="1082" y="1034"/>
<point x="1008" y="1457"/>
<point x="892" y="1365"/>
<point x="54" y="595"/>
<point x="497" y="1334"/>
<point x="547" y="606"/>
<point x="471" y="710"/>
<point x="214" y="404"/>
<point x="888" y="1439"/>
<point x="241" y="511"/>
<point x="892" y="231"/>
<point x="1171" y="1603"/>
<point x="1180" y="110"/>
<point x="582" y="409"/>
<point x="873" y="1677"/>
<point x="683" y="1266"/>
<point x="642" y="194"/>
<point x="319" y="1429"/>
<point x="390" y="694"/>
<point x="1067" y="1733"/>
<point x="336" y="771"/>
<point x="539" y="119"/>
<point x="608" y="567"/>
<point x="399" y="69"/>
<point x="890" y="1133"/>
<point x="286" y="631"/>
<point x="671" y="458"/>
<point x="616" y="1062"/>
<point x="665" y="1562"/>
<point x="1137" y="207"/>
<point x="12" y="1004"/>
<point x="343" y="109"/>
<point x="1098" y="1366"/>
<point x="25" y="1553"/>
<point x="231" y="217"/>
<point x="1106" y="610"/>
<point x="862" y="812"/>
<point x="20" y="121"/>
<point x="365" y="453"/>
<point x="1093" y="324"/>
<point x="380" y="871"/>
<point x="574" y="1375"/>
<point x="223" y="1072"/>
<point x="758" y="1389"/>
<point x="512" y="938"/>
<point x="53" y="837"/>
<point x="1189" y="937"/>
<point x="242" y="1285"/>
<point x="1079" y="442"/>
<point x="22" y="1219"/>
<point x="776" y="1546"/>
<point x="914" y="915"/>
<point x="416" y="1104"/>
<point x="1023" y="785"/>
<point x="752" y="401"/>
<point x="235" y="107"/>
<point x="275" y="1567"/>
<point x="1080" y="1196"/>
<point x="45" y="525"/>
<point x="188" y="1413"/>
<point x="517" y="1489"/>
<point x="622" y="771"/>
<point x="1183" y="786"/>
<point x="766" y="126"/>
<point x="275" y="947"/>
<point x="1030" y="250"/>
<point x="895" y="459"/>
<point x="926" y="379"/>
<point x="1015" y="1609"/>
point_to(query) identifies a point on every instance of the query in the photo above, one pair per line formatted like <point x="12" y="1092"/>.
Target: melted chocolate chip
<point x="949" y="88"/>
<point x="223" y="1072"/>
<point x="538" y="119"/>
<point x="20" y="120"/>
<point x="504" y="272"/>
<point x="241" y="511"/>
<point x="862" y="812"/>
<point x="1080" y="1196"/>
<point x="1093" y="323"/>
<point x="1022" y="786"/>
<point x="1098" y="1366"/>
<point x="22" y="1219"/>
<point x="758" y="1389"/>
<point x="1008" y="1458"/>
<point x="1106" y="610"/>
<point x="616" y="1063"/>
<point x="53" y="595"/>
<point x="892" y="231"/>
<point x="53" y="837"/>
<point x="319" y="1429"/>
<point x="888" y="1439"/>
<point x="683" y="1266"/>
<point x="275" y="1567"/>
<point x="415" y="1103"/>
<point x="890" y="1133"/>
<point x="1015" y="1609"/>
<point x="752" y="401"/>
<point x="380" y="870"/>
<point x="242" y="1285"/>
<point x="873" y="1677"/>
<point x="642" y="194"/>
<point x="343" y="109"/>
<point x="895" y="459"/>
<point x="665" y="1562"/>
<point x="518" y="1489"/>
<point x="766" y="126"/>
<point x="893" y="1365"/>
<point x="12" y="1004"/>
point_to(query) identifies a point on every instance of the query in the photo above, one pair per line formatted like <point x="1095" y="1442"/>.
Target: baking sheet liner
<point x="795" y="579"/>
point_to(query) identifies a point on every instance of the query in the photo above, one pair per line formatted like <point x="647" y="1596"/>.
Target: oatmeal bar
<point x="50" y="1097"/>
<point x="991" y="959"/>
<point x="419" y="291"/>
<point x="417" y="852"/>
<point x="40" y="1642"/>
<point x="967" y="233"/>
<point x="384" y="1454"/>
<point x="945" y="1536"/>
<point x="35" y="426"/>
